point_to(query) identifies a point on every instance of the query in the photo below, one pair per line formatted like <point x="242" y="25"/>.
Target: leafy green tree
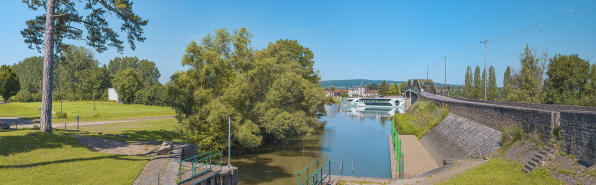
<point x="75" y="67"/>
<point x="148" y="72"/>
<point x="492" y="84"/>
<point x="469" y="83"/>
<point x="271" y="94"/>
<point x="127" y="83"/>
<point x="529" y="87"/>
<point x="9" y="83"/>
<point x="30" y="72"/>
<point x="384" y="87"/>
<point x="568" y="79"/>
<point x="59" y="22"/>
<point x="403" y="86"/>
<point x="373" y="87"/>
<point x="478" y="89"/>
<point x="507" y="86"/>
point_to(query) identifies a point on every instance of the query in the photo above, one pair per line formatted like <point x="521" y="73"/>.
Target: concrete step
<point x="532" y="164"/>
<point x="528" y="169"/>
<point x="540" y="157"/>
<point x="547" y="149"/>
<point x="543" y="153"/>
<point x="535" y="160"/>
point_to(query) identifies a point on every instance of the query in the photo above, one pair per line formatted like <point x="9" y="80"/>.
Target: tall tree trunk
<point x="46" y="98"/>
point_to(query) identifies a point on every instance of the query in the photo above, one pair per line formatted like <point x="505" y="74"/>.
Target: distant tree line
<point x="79" y="77"/>
<point x="561" y="79"/>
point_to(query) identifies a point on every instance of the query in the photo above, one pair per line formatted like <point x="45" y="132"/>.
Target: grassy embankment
<point x="500" y="171"/>
<point x="84" y="109"/>
<point x="55" y="158"/>
<point x="503" y="171"/>
<point x="423" y="116"/>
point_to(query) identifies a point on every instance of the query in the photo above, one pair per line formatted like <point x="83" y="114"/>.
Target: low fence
<point x="399" y="156"/>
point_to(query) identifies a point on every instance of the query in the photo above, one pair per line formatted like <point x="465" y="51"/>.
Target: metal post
<point x="229" y="136"/>
<point x="157" y="178"/>
<point x="77" y="123"/>
<point x="401" y="166"/>
<point x="485" y="45"/>
<point x="64" y="126"/>
<point x="352" y="168"/>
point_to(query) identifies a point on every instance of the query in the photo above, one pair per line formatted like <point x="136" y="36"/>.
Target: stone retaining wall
<point x="456" y="137"/>
<point x="577" y="123"/>
<point x="578" y="134"/>
<point x="547" y="107"/>
<point x="498" y="117"/>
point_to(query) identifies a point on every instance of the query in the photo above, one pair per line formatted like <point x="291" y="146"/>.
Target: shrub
<point x="510" y="135"/>
<point x="61" y="115"/>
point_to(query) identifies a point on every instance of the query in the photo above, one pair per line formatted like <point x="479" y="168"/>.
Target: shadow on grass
<point x="21" y="143"/>
<point x="257" y="171"/>
<point x="143" y="135"/>
<point x="117" y="157"/>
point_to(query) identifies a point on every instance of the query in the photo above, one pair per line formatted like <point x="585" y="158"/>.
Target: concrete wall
<point x="456" y="137"/>
<point x="498" y="116"/>
<point x="578" y="134"/>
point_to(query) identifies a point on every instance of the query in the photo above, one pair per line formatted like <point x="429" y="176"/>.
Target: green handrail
<point x="316" y="179"/>
<point x="208" y="166"/>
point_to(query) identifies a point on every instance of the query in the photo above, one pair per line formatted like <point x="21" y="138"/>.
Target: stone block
<point x="188" y="151"/>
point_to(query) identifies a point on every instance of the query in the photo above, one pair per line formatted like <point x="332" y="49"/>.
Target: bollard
<point x="157" y="178"/>
<point x="77" y="123"/>
<point x="64" y="126"/>
<point x="401" y="166"/>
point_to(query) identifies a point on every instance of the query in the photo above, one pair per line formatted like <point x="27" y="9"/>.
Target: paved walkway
<point x="417" y="160"/>
<point x="163" y="166"/>
<point x="13" y="121"/>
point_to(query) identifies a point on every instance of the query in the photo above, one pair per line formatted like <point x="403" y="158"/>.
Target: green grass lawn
<point x="55" y="158"/>
<point x="84" y="109"/>
<point x="499" y="171"/>
<point x="157" y="130"/>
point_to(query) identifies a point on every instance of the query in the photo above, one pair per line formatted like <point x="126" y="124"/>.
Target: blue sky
<point x="391" y="40"/>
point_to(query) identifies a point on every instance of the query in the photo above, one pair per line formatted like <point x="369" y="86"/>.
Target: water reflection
<point x="350" y="134"/>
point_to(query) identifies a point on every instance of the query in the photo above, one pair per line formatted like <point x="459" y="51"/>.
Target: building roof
<point x="341" y="91"/>
<point x="371" y="91"/>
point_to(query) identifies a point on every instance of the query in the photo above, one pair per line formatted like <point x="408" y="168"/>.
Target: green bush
<point x="61" y="115"/>
<point x="422" y="118"/>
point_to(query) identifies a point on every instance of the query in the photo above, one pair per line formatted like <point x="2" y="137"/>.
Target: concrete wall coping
<point x="478" y="103"/>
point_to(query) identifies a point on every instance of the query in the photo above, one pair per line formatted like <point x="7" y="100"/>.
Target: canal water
<point x="356" y="134"/>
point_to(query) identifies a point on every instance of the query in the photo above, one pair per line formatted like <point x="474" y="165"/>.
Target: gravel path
<point x="143" y="148"/>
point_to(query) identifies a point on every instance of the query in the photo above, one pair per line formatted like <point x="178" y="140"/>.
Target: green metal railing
<point x="196" y="164"/>
<point x="318" y="176"/>
<point x="397" y="149"/>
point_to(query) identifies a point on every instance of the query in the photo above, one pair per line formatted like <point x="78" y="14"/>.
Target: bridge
<point x="577" y="124"/>
<point x="417" y="86"/>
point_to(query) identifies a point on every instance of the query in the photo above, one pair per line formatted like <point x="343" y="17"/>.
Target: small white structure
<point x="112" y="94"/>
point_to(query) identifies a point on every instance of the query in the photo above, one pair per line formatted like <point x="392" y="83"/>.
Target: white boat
<point x="374" y="102"/>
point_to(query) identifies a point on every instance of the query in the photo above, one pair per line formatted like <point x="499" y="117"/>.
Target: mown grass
<point x="499" y="171"/>
<point x="156" y="130"/>
<point x="55" y="158"/>
<point x="422" y="118"/>
<point x="84" y="109"/>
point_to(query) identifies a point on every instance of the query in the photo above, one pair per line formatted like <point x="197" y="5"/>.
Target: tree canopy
<point x="127" y="83"/>
<point x="271" y="94"/>
<point x="9" y="82"/>
<point x="568" y="81"/>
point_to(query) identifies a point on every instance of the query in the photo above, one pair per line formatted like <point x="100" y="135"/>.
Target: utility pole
<point x="445" y="57"/>
<point x="485" y="42"/>
<point x="427" y="71"/>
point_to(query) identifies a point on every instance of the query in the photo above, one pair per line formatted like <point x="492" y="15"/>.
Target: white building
<point x="356" y="91"/>
<point x="112" y="94"/>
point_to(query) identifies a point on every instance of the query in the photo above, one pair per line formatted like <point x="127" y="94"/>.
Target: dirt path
<point x="12" y="121"/>
<point x="143" y="148"/>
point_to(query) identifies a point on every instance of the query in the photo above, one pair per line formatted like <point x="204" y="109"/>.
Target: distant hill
<point x="345" y="84"/>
